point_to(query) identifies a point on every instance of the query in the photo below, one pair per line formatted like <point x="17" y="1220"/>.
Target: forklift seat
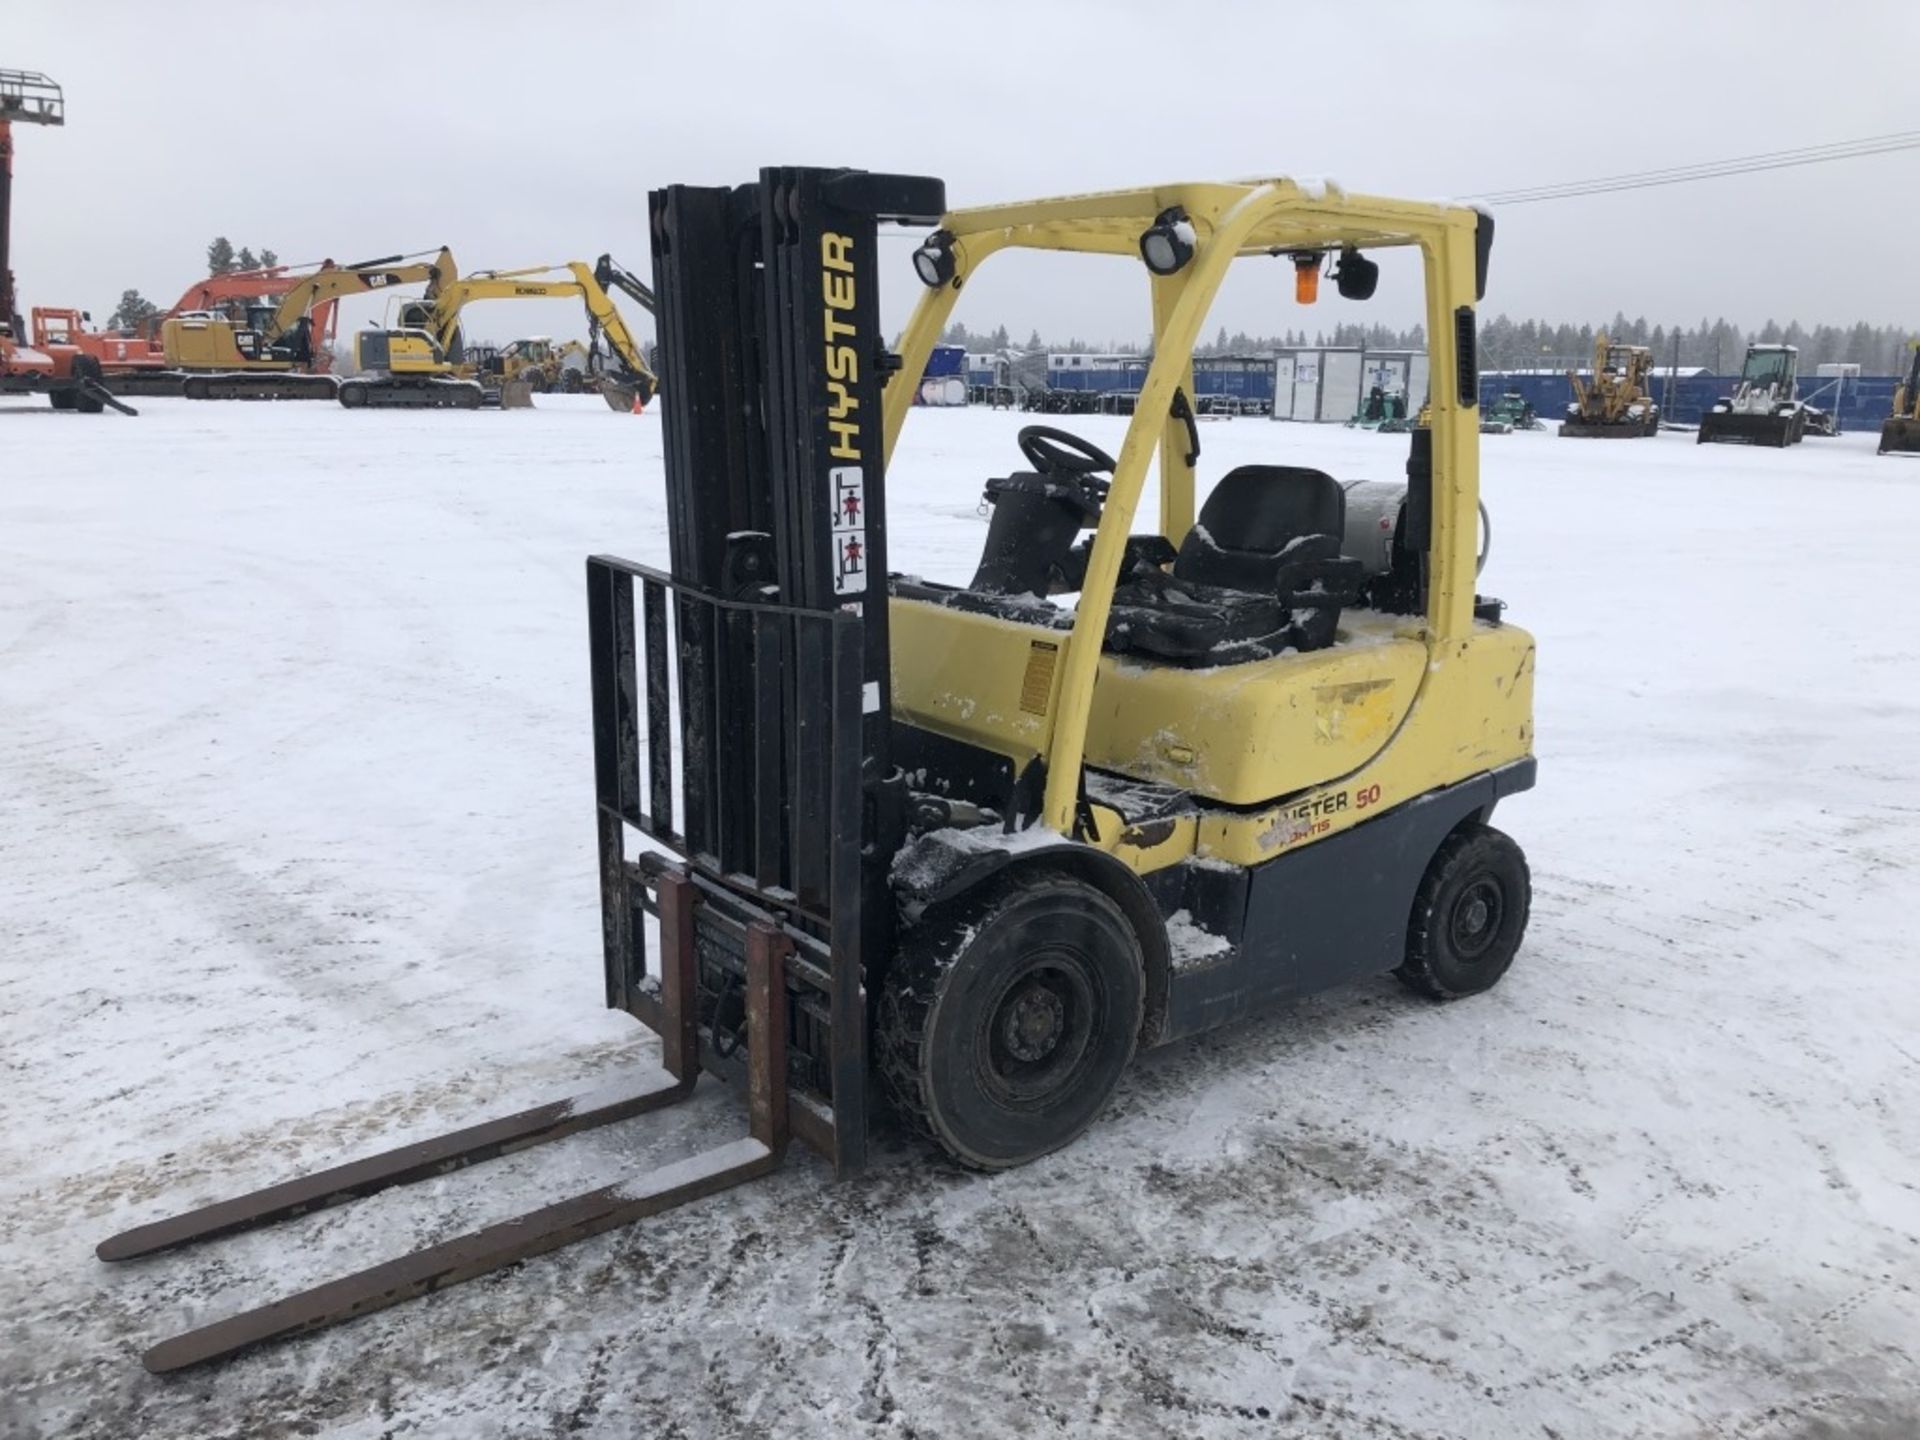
<point x="1260" y="572"/>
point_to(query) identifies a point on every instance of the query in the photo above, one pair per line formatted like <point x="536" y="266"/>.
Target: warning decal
<point x="849" y="497"/>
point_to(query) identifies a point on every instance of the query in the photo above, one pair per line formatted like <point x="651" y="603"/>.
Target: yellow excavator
<point x="1613" y="403"/>
<point x="276" y="358"/>
<point x="1901" y="433"/>
<point x="424" y="361"/>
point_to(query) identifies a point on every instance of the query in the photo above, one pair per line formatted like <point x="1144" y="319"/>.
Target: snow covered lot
<point x="296" y="859"/>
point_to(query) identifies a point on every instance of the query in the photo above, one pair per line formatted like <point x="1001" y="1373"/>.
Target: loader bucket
<point x="1900" y="435"/>
<point x="1720" y="427"/>
<point x="516" y="395"/>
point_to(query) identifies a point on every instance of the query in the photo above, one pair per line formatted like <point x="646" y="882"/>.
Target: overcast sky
<point x="525" y="133"/>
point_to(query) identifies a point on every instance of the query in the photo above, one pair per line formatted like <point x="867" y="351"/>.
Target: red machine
<point x="57" y="328"/>
<point x="68" y="376"/>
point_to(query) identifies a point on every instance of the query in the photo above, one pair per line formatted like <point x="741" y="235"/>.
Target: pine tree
<point x="268" y="259"/>
<point x="133" y="311"/>
<point x="220" y="258"/>
<point x="245" y="261"/>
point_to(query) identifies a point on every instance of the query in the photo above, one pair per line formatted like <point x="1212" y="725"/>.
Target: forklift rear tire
<point x="1009" y="1016"/>
<point x="1469" y="915"/>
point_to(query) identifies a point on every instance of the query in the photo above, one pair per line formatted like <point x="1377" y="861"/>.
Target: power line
<point x="1707" y="170"/>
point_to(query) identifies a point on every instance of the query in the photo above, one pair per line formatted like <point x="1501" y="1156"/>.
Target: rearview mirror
<point x="1357" y="276"/>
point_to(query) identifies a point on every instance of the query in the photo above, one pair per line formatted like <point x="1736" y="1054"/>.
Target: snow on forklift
<point x="1765" y="407"/>
<point x="1901" y="432"/>
<point x="961" y="841"/>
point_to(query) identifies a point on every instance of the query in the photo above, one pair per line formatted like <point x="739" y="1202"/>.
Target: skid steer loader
<point x="961" y="844"/>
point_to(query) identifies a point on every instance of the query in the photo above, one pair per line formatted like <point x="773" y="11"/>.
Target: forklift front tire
<point x="1008" y="1018"/>
<point x="1469" y="914"/>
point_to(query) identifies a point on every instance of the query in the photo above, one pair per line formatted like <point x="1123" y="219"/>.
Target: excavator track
<point x="276" y="385"/>
<point x="147" y="383"/>
<point x="538" y="1231"/>
<point x="431" y="394"/>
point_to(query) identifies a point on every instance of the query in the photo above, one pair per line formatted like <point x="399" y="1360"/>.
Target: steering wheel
<point x="1052" y="451"/>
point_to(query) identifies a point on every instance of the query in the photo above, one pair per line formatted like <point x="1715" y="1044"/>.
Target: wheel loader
<point x="1765" y="407"/>
<point x="959" y="848"/>
<point x="1612" y="402"/>
<point x="1901" y="432"/>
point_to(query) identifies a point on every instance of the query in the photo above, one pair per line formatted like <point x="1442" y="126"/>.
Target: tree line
<point x="1507" y="344"/>
<point x="134" y="310"/>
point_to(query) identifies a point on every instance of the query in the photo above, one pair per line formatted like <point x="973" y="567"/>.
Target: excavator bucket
<point x="620" y="397"/>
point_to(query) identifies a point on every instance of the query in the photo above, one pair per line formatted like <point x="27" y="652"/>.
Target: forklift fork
<point x="508" y="1242"/>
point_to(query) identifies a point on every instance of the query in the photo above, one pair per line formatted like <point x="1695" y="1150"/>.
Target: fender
<point x="946" y="864"/>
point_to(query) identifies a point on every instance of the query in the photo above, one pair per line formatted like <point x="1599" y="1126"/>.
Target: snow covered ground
<point x="296" y="859"/>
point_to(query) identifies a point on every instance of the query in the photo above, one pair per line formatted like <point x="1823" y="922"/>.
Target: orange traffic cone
<point x="638" y="408"/>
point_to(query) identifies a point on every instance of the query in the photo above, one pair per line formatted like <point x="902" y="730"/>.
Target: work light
<point x="1167" y="244"/>
<point x="933" y="262"/>
<point x="1357" y="275"/>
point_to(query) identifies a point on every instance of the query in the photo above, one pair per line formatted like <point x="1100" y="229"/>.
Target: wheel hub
<point x="1032" y="1023"/>
<point x="1476" y="919"/>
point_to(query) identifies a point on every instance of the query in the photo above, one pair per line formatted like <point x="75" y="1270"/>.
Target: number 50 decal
<point x="1369" y="796"/>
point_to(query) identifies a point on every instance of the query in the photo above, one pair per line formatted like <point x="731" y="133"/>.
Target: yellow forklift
<point x="976" y="842"/>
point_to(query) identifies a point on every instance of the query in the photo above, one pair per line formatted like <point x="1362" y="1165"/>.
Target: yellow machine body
<point x="1613" y="399"/>
<point x="1277" y="753"/>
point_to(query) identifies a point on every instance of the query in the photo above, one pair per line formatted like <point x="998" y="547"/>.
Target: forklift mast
<point x="766" y="729"/>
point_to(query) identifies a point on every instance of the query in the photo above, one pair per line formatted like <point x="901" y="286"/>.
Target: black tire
<point x="62" y="399"/>
<point x="1009" y="1016"/>
<point x="536" y="381"/>
<point x="1469" y="914"/>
